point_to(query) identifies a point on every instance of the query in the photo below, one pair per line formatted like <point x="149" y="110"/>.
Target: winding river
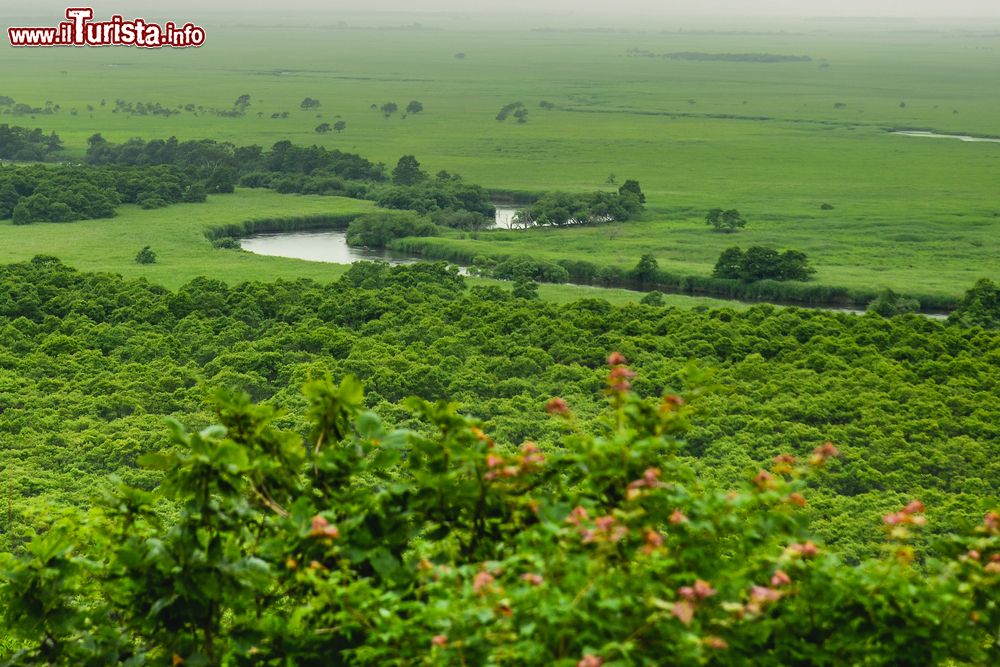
<point x="331" y="247"/>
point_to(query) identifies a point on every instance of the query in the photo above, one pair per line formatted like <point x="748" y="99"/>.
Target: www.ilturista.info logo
<point x="80" y="30"/>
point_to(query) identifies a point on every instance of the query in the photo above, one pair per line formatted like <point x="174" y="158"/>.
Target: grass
<point x="917" y="215"/>
<point x="177" y="235"/>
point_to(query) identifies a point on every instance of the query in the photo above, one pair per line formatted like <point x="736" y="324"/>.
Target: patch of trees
<point x="14" y="108"/>
<point x="144" y="109"/>
<point x="310" y="103"/>
<point x="20" y="143"/>
<point x="67" y="193"/>
<point x="515" y="109"/>
<point x="581" y="471"/>
<point x="444" y="194"/>
<point x="890" y="304"/>
<point x="561" y="208"/>
<point x="980" y="307"/>
<point x="221" y="164"/>
<point x="434" y="195"/>
<point x="519" y="269"/>
<point x="725" y="221"/>
<point x="376" y="230"/>
<point x="722" y="57"/>
<point x="762" y="263"/>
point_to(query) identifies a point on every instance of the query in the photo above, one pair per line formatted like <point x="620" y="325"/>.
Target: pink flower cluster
<point x="321" y="528"/>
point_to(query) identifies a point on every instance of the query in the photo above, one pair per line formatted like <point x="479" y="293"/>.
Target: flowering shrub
<point x="362" y="545"/>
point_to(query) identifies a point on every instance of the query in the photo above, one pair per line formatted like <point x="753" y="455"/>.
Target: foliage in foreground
<point x="363" y="545"/>
<point x="90" y="364"/>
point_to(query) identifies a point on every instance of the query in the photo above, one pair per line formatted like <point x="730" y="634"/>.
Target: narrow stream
<point x="936" y="135"/>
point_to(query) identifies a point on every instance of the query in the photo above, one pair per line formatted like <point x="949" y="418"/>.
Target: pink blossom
<point x="532" y="578"/>
<point x="577" y="515"/>
<point x="823" y="453"/>
<point x="616" y="359"/>
<point x="481" y="582"/>
<point x="797" y="499"/>
<point x="557" y="406"/>
<point x="806" y="550"/>
<point x="321" y="528"/>
<point x="780" y="579"/>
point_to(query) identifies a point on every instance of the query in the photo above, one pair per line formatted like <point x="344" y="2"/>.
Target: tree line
<point x="22" y="144"/>
<point x="63" y="193"/>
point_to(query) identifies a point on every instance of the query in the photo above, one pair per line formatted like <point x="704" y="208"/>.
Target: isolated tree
<point x="323" y="128"/>
<point x="725" y="221"/>
<point x="645" y="271"/>
<point x="414" y="107"/>
<point x="632" y="187"/>
<point x="389" y="108"/>
<point x="407" y="171"/>
<point x="146" y="256"/>
<point x="339" y="126"/>
<point x="242" y="101"/>
<point x="310" y="103"/>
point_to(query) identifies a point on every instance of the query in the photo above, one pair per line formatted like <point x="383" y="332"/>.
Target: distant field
<point x="775" y="140"/>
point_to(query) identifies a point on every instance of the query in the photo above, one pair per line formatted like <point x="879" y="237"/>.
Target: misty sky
<point x="721" y="8"/>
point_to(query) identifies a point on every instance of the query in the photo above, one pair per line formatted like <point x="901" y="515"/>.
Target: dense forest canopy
<point x="90" y="364"/>
<point x="611" y="529"/>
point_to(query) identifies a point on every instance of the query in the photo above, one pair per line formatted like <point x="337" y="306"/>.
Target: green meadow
<point x="177" y="236"/>
<point x="774" y="140"/>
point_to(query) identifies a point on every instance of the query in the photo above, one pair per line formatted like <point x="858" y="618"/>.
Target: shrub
<point x="365" y="545"/>
<point x="375" y="230"/>
<point x="146" y="256"/>
<point x="653" y="298"/>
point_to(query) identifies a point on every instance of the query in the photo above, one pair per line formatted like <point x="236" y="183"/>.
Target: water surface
<point x="936" y="135"/>
<point x="318" y="246"/>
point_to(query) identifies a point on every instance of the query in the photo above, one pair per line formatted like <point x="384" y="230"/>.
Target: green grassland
<point x="920" y="216"/>
<point x="177" y="236"/>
